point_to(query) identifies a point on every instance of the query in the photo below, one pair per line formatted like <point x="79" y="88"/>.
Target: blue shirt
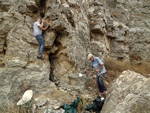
<point x="96" y="63"/>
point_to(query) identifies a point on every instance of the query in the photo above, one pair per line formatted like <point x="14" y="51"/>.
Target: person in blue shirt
<point x="99" y="67"/>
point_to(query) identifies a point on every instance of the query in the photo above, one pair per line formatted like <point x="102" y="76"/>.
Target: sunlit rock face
<point x="119" y="29"/>
<point x="129" y="93"/>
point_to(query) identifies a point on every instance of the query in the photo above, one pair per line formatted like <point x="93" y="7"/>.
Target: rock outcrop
<point x="66" y="44"/>
<point x="130" y="93"/>
<point x="128" y="27"/>
<point x="115" y="28"/>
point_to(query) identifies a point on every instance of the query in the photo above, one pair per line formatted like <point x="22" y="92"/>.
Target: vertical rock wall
<point x="19" y="67"/>
<point x="115" y="28"/>
<point x="128" y="28"/>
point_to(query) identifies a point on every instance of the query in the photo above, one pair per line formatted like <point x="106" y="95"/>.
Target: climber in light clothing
<point x="98" y="65"/>
<point x="37" y="31"/>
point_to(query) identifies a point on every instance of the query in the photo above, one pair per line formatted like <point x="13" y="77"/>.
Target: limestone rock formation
<point x="115" y="28"/>
<point x="128" y="27"/>
<point x="130" y="93"/>
<point x="66" y="41"/>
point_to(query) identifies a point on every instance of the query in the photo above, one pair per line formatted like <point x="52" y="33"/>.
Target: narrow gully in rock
<point x="42" y="7"/>
<point x="53" y="57"/>
<point x="52" y="61"/>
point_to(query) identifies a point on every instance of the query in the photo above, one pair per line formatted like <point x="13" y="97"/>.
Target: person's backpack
<point x="98" y="104"/>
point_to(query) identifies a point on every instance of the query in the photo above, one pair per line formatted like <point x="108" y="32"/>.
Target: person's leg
<point x="41" y="42"/>
<point x="99" y="85"/>
<point x="103" y="88"/>
<point x="41" y="46"/>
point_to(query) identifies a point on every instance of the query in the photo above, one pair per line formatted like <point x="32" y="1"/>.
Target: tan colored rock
<point x="128" y="94"/>
<point x="31" y="5"/>
<point x="119" y="28"/>
<point x="49" y="38"/>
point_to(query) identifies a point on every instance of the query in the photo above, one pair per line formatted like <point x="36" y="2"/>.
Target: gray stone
<point x="121" y="96"/>
<point x="49" y="38"/>
<point x="74" y="93"/>
<point x="115" y="28"/>
<point x="97" y="29"/>
<point x="31" y="5"/>
<point x="22" y="8"/>
<point x="50" y="110"/>
<point x="42" y="102"/>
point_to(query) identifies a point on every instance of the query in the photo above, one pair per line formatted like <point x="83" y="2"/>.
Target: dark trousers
<point x="100" y="83"/>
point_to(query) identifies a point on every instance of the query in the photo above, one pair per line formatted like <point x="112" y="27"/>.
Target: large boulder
<point x="130" y="93"/>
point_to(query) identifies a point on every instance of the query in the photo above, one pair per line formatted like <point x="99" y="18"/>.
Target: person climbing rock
<point x="37" y="31"/>
<point x="98" y="65"/>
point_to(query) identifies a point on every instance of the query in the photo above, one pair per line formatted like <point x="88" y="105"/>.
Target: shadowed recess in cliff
<point x="53" y="58"/>
<point x="42" y="7"/>
<point x="3" y="48"/>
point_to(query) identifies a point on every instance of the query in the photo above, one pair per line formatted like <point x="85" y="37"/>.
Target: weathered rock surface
<point x="128" y="26"/>
<point x="130" y="93"/>
<point x="67" y="39"/>
<point x="115" y="28"/>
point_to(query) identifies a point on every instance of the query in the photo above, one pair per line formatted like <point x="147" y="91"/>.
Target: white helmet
<point x="89" y="56"/>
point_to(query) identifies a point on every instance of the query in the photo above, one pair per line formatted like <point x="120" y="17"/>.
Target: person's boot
<point x="40" y="56"/>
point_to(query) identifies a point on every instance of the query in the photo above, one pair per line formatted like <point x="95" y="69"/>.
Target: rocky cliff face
<point x="128" y="26"/>
<point x="66" y="45"/>
<point x="114" y="28"/>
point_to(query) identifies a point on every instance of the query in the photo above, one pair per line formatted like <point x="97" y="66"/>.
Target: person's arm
<point x="90" y="73"/>
<point x="41" y="25"/>
<point x="99" y="68"/>
<point x="46" y="27"/>
<point x="101" y="65"/>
